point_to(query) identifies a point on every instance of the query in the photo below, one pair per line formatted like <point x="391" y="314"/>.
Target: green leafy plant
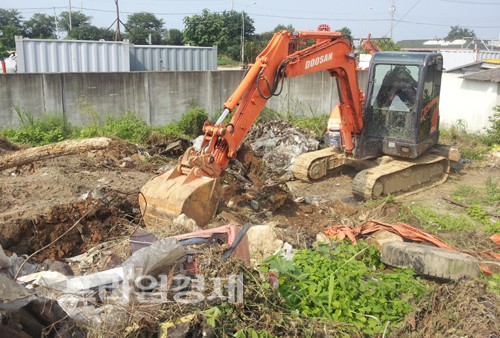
<point x="346" y="284"/>
<point x="492" y="135"/>
<point x="129" y="127"/>
<point x="471" y="145"/>
<point x="251" y="333"/>
<point x="190" y="124"/>
<point x="38" y="131"/>
<point x="494" y="283"/>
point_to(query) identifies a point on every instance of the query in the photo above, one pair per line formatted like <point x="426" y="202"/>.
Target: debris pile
<point x="278" y="144"/>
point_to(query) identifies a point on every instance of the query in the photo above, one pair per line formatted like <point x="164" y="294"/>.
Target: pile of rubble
<point x="278" y="143"/>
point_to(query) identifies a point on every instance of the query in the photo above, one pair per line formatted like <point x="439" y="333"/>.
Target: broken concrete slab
<point x="430" y="261"/>
<point x="262" y="241"/>
<point x="382" y="237"/>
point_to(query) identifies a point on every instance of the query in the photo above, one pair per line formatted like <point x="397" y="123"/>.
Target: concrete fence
<point x="163" y="97"/>
<point x="158" y="97"/>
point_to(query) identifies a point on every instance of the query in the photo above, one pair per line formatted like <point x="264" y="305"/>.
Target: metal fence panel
<point x="457" y="58"/>
<point x="66" y="56"/>
<point x="173" y="58"/>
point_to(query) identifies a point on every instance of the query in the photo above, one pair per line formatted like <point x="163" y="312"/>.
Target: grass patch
<point x="226" y="61"/>
<point x="46" y="129"/>
<point x="129" y="127"/>
<point x="480" y="205"/>
<point x="434" y="222"/>
<point x="471" y="145"/>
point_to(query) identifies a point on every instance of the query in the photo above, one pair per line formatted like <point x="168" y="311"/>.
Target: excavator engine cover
<point x="171" y="194"/>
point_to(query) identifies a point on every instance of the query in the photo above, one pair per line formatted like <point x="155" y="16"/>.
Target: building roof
<point x="479" y="71"/>
<point x="491" y="75"/>
<point x="434" y="45"/>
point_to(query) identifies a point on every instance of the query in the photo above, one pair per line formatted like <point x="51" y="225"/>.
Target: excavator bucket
<point x="172" y="193"/>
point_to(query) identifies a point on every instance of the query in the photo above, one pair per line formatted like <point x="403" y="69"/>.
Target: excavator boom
<point x="399" y="118"/>
<point x="193" y="186"/>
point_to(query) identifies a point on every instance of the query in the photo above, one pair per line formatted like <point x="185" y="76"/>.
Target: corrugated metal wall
<point x="68" y="56"/>
<point x="457" y="58"/>
<point x="173" y="58"/>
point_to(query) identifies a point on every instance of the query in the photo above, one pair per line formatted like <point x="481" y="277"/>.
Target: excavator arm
<point x="265" y="78"/>
<point x="193" y="187"/>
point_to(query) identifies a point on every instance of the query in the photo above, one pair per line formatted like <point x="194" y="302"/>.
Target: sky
<point x="412" y="19"/>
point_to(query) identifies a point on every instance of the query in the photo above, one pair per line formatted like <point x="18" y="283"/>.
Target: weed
<point x="390" y="198"/>
<point x="433" y="221"/>
<point x="44" y="130"/>
<point x="466" y="194"/>
<point x="492" y="135"/>
<point x="492" y="191"/>
<point x="268" y="114"/>
<point x="190" y="124"/>
<point x="477" y="213"/>
<point x="346" y="284"/>
<point x="192" y="121"/>
<point x="129" y="127"/>
<point x="471" y="145"/>
<point x="494" y="283"/>
<point x="224" y="60"/>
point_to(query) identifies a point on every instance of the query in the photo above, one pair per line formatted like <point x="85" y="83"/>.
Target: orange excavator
<point x="399" y="118"/>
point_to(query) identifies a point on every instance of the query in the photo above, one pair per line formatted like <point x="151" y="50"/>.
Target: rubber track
<point x="403" y="170"/>
<point x="310" y="161"/>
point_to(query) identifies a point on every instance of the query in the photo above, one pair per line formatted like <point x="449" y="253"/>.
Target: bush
<point x="129" y="127"/>
<point x="44" y="130"/>
<point x="492" y="135"/>
<point x="190" y="124"/>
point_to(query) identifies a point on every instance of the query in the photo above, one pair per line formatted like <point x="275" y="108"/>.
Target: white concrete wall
<point x="467" y="100"/>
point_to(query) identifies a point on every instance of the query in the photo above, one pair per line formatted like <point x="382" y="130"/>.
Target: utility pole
<point x="70" y="25"/>
<point x="242" y="38"/>
<point x="392" y="9"/>
<point x="57" y="24"/>
<point x="117" y="31"/>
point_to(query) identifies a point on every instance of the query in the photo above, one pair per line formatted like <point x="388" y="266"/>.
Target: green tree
<point x="346" y="32"/>
<point x="387" y="45"/>
<point x="173" y="37"/>
<point x="221" y="29"/>
<point x="457" y="32"/>
<point x="255" y="45"/>
<point x="40" y="26"/>
<point x="78" y="19"/>
<point x="91" y="33"/>
<point x="10" y="26"/>
<point x="140" y="26"/>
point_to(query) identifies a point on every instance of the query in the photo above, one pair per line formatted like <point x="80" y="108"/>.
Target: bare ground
<point x="41" y="201"/>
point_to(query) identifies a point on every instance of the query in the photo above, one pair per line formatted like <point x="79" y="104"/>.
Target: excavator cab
<point x="401" y="114"/>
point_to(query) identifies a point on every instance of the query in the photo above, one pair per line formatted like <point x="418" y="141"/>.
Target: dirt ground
<point x="41" y="201"/>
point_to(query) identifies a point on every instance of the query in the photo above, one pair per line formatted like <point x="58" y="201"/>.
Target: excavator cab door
<point x="401" y="114"/>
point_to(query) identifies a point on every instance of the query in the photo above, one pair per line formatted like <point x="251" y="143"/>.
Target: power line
<point x="292" y="17"/>
<point x="443" y="25"/>
<point x="404" y="16"/>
